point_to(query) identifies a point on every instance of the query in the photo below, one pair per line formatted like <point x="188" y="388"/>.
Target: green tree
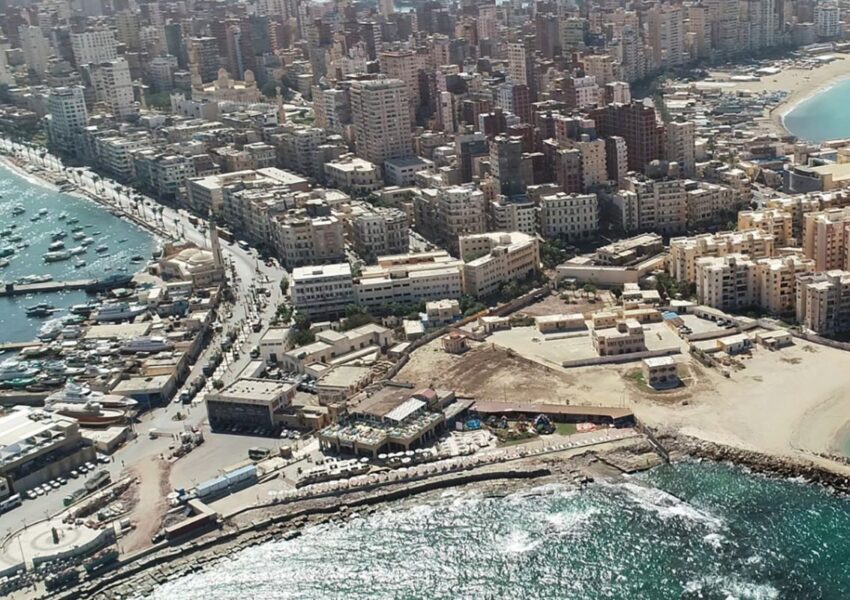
<point x="355" y="316"/>
<point x="589" y="289"/>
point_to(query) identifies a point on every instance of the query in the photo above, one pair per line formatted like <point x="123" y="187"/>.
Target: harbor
<point x="14" y="289"/>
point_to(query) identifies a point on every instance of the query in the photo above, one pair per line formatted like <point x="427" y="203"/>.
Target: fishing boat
<point x="16" y="238"/>
<point x="56" y="256"/>
<point x="102" y="248"/>
<point x="79" y="235"/>
<point x="79" y="264"/>
<point x="6" y="232"/>
<point x="77" y="250"/>
<point x="7" y="251"/>
<point x="42" y="211"/>
<point x="35" y="279"/>
<point x="35" y="218"/>
<point x="62" y="216"/>
<point x="137" y="258"/>
<point x="18" y="210"/>
<point x="58" y="235"/>
<point x="40" y="310"/>
<point x="87" y="241"/>
<point x="56" y="246"/>
<point x="4" y="262"/>
<point x="73" y="220"/>
<point x="122" y="240"/>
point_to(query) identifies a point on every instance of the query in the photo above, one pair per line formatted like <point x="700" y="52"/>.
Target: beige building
<point x="322" y="290"/>
<point x="560" y="322"/>
<point x="441" y="312"/>
<point x="444" y="214"/>
<point x="508" y="256"/>
<point x="380" y="114"/>
<point x="823" y="302"/>
<point x="685" y="251"/>
<point x="679" y="138"/>
<point x="569" y="216"/>
<point x="776" y="282"/>
<point x="353" y="175"/>
<point x="625" y="337"/>
<point x="660" y="372"/>
<point x="379" y="231"/>
<point x="409" y="279"/>
<point x="825" y="238"/>
<point x="726" y="282"/>
<point x="300" y="238"/>
<point x="774" y="222"/>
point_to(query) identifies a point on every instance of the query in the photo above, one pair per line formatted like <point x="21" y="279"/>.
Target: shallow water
<point x="693" y="530"/>
<point x="823" y="116"/>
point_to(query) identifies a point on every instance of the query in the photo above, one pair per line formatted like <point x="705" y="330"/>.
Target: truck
<point x="257" y="326"/>
<point x="98" y="480"/>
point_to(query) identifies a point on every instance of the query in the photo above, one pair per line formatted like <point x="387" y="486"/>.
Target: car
<point x="31" y="495"/>
<point x="90" y="466"/>
<point x="62" y="481"/>
<point x="103" y="459"/>
<point x="38" y="491"/>
<point x="83" y="469"/>
<point x="54" y="484"/>
<point x="73" y="474"/>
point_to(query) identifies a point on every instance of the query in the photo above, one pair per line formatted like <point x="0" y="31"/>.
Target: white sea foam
<point x="518" y="542"/>
<point x="668" y="506"/>
<point x="734" y="588"/>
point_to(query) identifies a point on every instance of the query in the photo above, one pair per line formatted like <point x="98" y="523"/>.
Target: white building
<point x="35" y="48"/>
<point x="380" y="114"/>
<point x="94" y="46"/>
<point x="409" y="279"/>
<point x="507" y="256"/>
<point x="569" y="216"/>
<point x="322" y="290"/>
<point x="114" y="87"/>
<point x="67" y="114"/>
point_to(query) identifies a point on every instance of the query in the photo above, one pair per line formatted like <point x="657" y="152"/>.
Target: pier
<point x="9" y="346"/>
<point x="14" y="289"/>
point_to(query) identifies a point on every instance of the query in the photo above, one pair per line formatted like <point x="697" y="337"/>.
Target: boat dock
<point x="14" y="289"/>
<point x="9" y="346"/>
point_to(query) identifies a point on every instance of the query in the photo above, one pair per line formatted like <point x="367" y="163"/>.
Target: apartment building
<point x="569" y="216"/>
<point x="776" y="282"/>
<point x="113" y="86"/>
<point x="94" y="46"/>
<point x="206" y="194"/>
<point x="823" y="302"/>
<point x="646" y="204"/>
<point x="67" y="117"/>
<point x="442" y="215"/>
<point x="504" y="257"/>
<point x="708" y="204"/>
<point x="380" y="113"/>
<point x="353" y="175"/>
<point x="322" y="290"/>
<point x="685" y="251"/>
<point x="380" y="232"/>
<point x="825" y="238"/>
<point x="770" y="221"/>
<point x="409" y="278"/>
<point x="726" y="282"/>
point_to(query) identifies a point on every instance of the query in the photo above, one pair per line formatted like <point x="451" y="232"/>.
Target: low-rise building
<point x="334" y="346"/>
<point x="455" y="342"/>
<point x="686" y="251"/>
<point x="823" y="302"/>
<point x="409" y="279"/>
<point x="248" y="403"/>
<point x="323" y="290"/>
<point x="626" y="337"/>
<point x="660" y="372"/>
<point x="442" y="312"/>
<point x="560" y="322"/>
<point x="274" y="342"/>
<point x="499" y="257"/>
<point x="353" y="175"/>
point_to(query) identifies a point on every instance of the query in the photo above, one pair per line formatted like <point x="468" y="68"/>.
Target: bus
<point x="10" y="502"/>
<point x="258" y="453"/>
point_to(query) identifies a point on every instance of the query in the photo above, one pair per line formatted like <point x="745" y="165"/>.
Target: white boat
<point x="118" y="311"/>
<point x="35" y="279"/>
<point x="79" y="235"/>
<point x="56" y="246"/>
<point x="42" y="211"/>
<point x="77" y="250"/>
<point x="16" y="369"/>
<point x="75" y="393"/>
<point x="79" y="264"/>
<point x="4" y="262"/>
<point x="102" y="248"/>
<point x="87" y="241"/>
<point x="19" y="209"/>
<point x="146" y="344"/>
<point x="56" y="256"/>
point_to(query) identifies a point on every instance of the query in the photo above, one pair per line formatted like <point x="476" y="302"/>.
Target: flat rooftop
<point x="248" y="389"/>
<point x="493" y="407"/>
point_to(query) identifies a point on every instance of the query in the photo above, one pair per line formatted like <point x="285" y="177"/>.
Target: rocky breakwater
<point x="826" y="471"/>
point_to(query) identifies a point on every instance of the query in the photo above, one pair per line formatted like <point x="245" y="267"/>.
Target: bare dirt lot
<point x="577" y="302"/>
<point x="489" y="373"/>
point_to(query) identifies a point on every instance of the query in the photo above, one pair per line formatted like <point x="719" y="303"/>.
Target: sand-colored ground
<point x="792" y="401"/>
<point x="800" y="83"/>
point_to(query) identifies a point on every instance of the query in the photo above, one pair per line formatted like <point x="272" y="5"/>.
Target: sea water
<point x="823" y="116"/>
<point x="97" y="223"/>
<point x="687" y="531"/>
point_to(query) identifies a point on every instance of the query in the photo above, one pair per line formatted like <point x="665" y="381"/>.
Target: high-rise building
<point x="569" y="216"/>
<point x="726" y="282"/>
<point x="380" y="114"/>
<point x="5" y="76"/>
<point x="204" y="58"/>
<point x="637" y="124"/>
<point x="35" y="48"/>
<point x="403" y="65"/>
<point x="506" y="165"/>
<point x="827" y="20"/>
<point x="94" y="46"/>
<point x="679" y="145"/>
<point x="826" y="238"/>
<point x="823" y="302"/>
<point x="128" y="25"/>
<point x="667" y="35"/>
<point x="67" y="116"/>
<point x="113" y="86"/>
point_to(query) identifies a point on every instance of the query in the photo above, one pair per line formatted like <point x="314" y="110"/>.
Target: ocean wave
<point x="517" y="542"/>
<point x="668" y="506"/>
<point x="733" y="588"/>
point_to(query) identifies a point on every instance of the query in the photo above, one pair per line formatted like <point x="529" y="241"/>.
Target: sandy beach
<point x="800" y="82"/>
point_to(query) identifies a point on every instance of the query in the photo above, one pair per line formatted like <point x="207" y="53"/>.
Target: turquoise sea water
<point x="824" y="116"/>
<point x="689" y="531"/>
<point x="98" y="223"/>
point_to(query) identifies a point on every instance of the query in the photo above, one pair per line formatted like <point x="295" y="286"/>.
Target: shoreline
<point x="11" y="162"/>
<point x="791" y="103"/>
<point x="287" y="521"/>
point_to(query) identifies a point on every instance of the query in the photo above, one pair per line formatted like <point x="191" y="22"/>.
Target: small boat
<point x="56" y="256"/>
<point x="137" y="258"/>
<point x="18" y="210"/>
<point x="16" y="238"/>
<point x="6" y="233"/>
<point x="87" y="241"/>
<point x="79" y="264"/>
<point x="4" y="262"/>
<point x="102" y="248"/>
<point x="83" y="309"/>
<point x="58" y="235"/>
<point x="88" y="225"/>
<point x="73" y="220"/>
<point x="35" y="218"/>
<point x="95" y="233"/>
<point x="7" y="251"/>
<point x="122" y="240"/>
<point x="56" y="246"/>
<point x="79" y="235"/>
<point x="40" y="310"/>
<point x="42" y="211"/>
<point x="23" y="245"/>
<point x="62" y="216"/>
<point x="77" y="250"/>
<point x="35" y="279"/>
<point x="76" y="230"/>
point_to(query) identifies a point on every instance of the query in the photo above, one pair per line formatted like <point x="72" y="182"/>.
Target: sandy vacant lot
<point x="792" y="401"/>
<point x="490" y="373"/>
